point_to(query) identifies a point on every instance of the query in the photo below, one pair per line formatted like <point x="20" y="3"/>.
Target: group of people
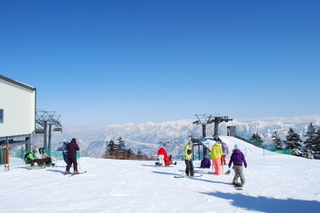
<point x="219" y="151"/>
<point x="69" y="152"/>
<point x="40" y="157"/>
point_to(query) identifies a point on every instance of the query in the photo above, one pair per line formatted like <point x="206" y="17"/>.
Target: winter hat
<point x="236" y="146"/>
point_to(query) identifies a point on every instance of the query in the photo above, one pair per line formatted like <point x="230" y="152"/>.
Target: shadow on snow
<point x="266" y="204"/>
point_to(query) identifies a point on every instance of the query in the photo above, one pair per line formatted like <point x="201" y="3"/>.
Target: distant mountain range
<point x="148" y="136"/>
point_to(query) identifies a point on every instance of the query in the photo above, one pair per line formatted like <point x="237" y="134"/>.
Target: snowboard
<point x="80" y="173"/>
<point x="238" y="186"/>
<point x="35" y="167"/>
<point x="185" y="176"/>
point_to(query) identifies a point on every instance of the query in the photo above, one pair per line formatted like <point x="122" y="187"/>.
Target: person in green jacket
<point x="188" y="158"/>
<point x="34" y="156"/>
<point x="216" y="153"/>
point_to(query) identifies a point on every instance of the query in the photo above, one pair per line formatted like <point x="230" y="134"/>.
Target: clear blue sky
<point x="118" y="61"/>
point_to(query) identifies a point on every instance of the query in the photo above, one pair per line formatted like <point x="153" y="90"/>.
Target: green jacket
<point x="31" y="155"/>
<point x="188" y="152"/>
<point x="216" y="151"/>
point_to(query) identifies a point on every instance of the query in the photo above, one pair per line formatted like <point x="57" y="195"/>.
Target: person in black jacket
<point x="72" y="159"/>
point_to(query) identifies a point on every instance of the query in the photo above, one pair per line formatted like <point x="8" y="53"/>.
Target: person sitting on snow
<point x="34" y="156"/>
<point x="162" y="156"/>
<point x="46" y="159"/>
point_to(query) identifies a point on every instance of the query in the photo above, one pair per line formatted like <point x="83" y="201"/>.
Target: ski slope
<point x="274" y="183"/>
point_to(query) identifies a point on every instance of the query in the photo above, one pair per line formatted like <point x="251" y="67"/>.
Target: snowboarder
<point x="34" y="156"/>
<point x="162" y="155"/>
<point x="45" y="157"/>
<point x="72" y="156"/>
<point x="188" y="158"/>
<point x="225" y="152"/>
<point x="237" y="159"/>
<point x="205" y="163"/>
<point x="216" y="153"/>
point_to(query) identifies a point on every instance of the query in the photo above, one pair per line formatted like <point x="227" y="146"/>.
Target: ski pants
<point x="238" y="170"/>
<point x="223" y="160"/>
<point x="72" y="160"/>
<point x="189" y="167"/>
<point x="216" y="163"/>
<point x="161" y="160"/>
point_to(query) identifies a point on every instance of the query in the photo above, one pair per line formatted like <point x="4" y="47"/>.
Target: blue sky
<point x="118" y="61"/>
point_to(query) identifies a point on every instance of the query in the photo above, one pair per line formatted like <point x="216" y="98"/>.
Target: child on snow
<point x="237" y="159"/>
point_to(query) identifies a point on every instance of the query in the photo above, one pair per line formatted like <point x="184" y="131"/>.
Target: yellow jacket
<point x="188" y="151"/>
<point x="216" y="151"/>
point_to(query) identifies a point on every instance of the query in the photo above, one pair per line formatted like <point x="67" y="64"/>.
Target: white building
<point x="17" y="111"/>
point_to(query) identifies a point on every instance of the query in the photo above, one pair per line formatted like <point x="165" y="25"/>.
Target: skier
<point x="237" y="158"/>
<point x="225" y="152"/>
<point x="188" y="158"/>
<point x="216" y="153"/>
<point x="72" y="157"/>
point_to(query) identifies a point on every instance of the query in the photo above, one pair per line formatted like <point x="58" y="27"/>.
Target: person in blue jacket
<point x="237" y="159"/>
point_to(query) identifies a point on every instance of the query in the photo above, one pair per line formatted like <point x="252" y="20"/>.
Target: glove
<point x="245" y="166"/>
<point x="229" y="166"/>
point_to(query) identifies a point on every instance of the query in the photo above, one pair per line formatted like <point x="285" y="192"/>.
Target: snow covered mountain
<point x="147" y="136"/>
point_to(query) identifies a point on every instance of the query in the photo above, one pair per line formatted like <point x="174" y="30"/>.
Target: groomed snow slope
<point x="274" y="183"/>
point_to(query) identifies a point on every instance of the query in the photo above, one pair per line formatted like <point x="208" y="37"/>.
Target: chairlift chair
<point x="57" y="130"/>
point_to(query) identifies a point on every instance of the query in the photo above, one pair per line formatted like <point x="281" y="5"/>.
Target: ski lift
<point x="57" y="130"/>
<point x="39" y="131"/>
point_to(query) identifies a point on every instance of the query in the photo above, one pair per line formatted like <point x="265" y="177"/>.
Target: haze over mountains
<point x="147" y="136"/>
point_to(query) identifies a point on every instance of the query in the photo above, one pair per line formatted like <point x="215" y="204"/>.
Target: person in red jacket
<point x="162" y="156"/>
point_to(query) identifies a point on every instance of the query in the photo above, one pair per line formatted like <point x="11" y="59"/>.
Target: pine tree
<point x="277" y="141"/>
<point x="121" y="147"/>
<point x="139" y="154"/>
<point x="317" y="141"/>
<point x="293" y="140"/>
<point x="111" y="148"/>
<point x="310" y="137"/>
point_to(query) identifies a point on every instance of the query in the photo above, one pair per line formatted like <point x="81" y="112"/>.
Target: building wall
<point x="18" y="103"/>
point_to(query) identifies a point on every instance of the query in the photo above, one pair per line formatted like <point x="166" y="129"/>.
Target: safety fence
<point x="17" y="153"/>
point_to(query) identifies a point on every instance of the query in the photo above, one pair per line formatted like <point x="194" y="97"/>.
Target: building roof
<point x="17" y="83"/>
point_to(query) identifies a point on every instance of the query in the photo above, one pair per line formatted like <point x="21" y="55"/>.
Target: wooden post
<point x="6" y="153"/>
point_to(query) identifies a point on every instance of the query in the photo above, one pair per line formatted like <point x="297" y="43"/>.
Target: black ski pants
<point x="189" y="167"/>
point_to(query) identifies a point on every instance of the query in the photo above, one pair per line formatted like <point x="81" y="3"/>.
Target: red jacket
<point x="162" y="151"/>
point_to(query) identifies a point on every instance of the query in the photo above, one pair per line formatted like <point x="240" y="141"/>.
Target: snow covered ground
<point x="274" y="183"/>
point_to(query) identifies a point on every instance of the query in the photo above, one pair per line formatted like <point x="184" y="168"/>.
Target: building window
<point x="1" y="115"/>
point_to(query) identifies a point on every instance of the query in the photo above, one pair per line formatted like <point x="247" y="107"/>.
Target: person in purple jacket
<point x="237" y="158"/>
<point x="72" y="148"/>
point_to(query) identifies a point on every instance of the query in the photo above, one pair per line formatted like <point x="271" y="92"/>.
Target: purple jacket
<point x="237" y="158"/>
<point x="225" y="148"/>
<point x="72" y="148"/>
